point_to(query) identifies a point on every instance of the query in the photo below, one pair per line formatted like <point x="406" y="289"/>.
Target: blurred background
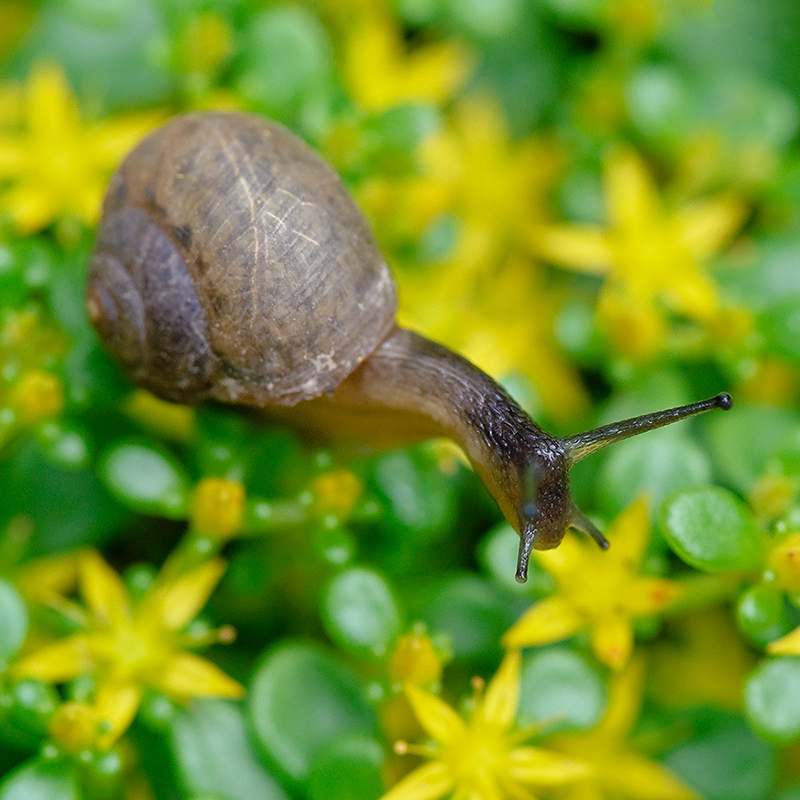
<point x="595" y="201"/>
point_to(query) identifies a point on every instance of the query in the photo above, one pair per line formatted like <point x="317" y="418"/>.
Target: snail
<point x="232" y="265"/>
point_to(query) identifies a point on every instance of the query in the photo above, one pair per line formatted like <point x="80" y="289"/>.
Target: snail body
<point x="232" y="265"/>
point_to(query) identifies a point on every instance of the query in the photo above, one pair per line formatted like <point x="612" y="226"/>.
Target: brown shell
<point x="232" y="264"/>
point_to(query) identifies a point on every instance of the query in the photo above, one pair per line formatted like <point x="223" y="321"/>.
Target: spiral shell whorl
<point x="287" y="291"/>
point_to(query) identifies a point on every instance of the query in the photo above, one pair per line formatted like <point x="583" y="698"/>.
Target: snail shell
<point x="232" y="264"/>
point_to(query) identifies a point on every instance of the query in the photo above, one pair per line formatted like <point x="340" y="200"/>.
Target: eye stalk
<point x="546" y="509"/>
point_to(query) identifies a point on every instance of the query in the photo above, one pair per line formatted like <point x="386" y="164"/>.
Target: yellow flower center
<point x="478" y="757"/>
<point x="133" y="649"/>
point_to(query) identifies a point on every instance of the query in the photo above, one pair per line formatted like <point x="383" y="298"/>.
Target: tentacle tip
<point x="603" y="543"/>
<point x="724" y="401"/>
<point x="521" y="575"/>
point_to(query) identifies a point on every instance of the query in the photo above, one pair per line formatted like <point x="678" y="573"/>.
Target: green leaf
<point x="41" y="780"/>
<point x="286" y="58"/>
<point x="146" y="478"/>
<point x="14" y="625"/>
<point x="349" y="767"/>
<point x="772" y="699"/>
<point x="711" y="529"/>
<point x="302" y="699"/>
<point x="471" y="612"/>
<point x="213" y="753"/>
<point x="560" y="687"/>
<point x="743" y="440"/>
<point x="360" y="611"/>
<point x="658" y="463"/>
<point x="724" y="760"/>
<point x="762" y="614"/>
<point x="420" y="499"/>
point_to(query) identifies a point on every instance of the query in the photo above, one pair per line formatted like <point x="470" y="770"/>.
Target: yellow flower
<point x="336" y="492"/>
<point x="54" y="164"/>
<point x="415" y="660"/>
<point x="618" y="771"/>
<point x="128" y="646"/>
<point x="482" y="758"/>
<point x="217" y="507"/>
<point x="382" y="71"/>
<point x="602" y="593"/>
<point x="652" y="257"/>
<point x="36" y="396"/>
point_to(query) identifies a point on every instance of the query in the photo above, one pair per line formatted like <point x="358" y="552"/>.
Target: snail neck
<point x="416" y="387"/>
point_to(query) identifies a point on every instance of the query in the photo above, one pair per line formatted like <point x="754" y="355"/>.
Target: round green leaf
<point x="419" y="497"/>
<point x="711" y="529"/>
<point x="350" y="767"/>
<point x="772" y="699"/>
<point x="724" y="760"/>
<point x="471" y="612"/>
<point x="41" y="780"/>
<point x="14" y="616"/>
<point x="213" y="753"/>
<point x="286" y="57"/>
<point x="762" y="614"/>
<point x="360" y="612"/>
<point x="302" y="699"/>
<point x="559" y="686"/>
<point x="743" y="441"/>
<point x="146" y="478"/>
<point x="660" y="463"/>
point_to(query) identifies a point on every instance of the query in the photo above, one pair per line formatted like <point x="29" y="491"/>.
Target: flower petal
<point x="427" y="782"/>
<point x="179" y="602"/>
<point x="56" y="662"/>
<point x="788" y="645"/>
<point x="116" y="705"/>
<point x="612" y="640"/>
<point x="632" y="775"/>
<point x="502" y="694"/>
<point x="547" y="621"/>
<point x="544" y="767"/>
<point x="585" y="248"/>
<point x="188" y="675"/>
<point x="630" y="532"/>
<point x="706" y="227"/>
<point x="645" y="596"/>
<point x="438" y="718"/>
<point x="624" y="701"/>
<point x="631" y="193"/>
<point x="102" y="589"/>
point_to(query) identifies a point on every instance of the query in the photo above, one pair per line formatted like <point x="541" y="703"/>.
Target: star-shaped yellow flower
<point x="129" y="645"/>
<point x="602" y="593"/>
<point x="618" y="770"/>
<point x="482" y="758"/>
<point x="651" y="256"/>
<point x="382" y="71"/>
<point x="53" y="163"/>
